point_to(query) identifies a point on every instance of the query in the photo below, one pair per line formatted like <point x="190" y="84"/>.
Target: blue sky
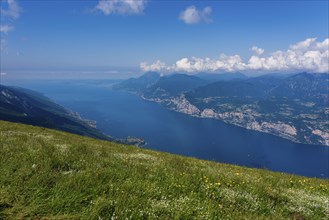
<point x="126" y="37"/>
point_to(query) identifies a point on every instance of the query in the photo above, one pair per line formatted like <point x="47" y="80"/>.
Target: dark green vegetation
<point x="48" y="174"/>
<point x="290" y="106"/>
<point x="30" y="107"/>
<point x="139" y="84"/>
<point x="221" y="77"/>
<point x="173" y="85"/>
<point x="151" y="85"/>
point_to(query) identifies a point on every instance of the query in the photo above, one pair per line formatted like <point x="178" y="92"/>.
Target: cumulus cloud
<point x="191" y="15"/>
<point x="6" y="28"/>
<point x="121" y="7"/>
<point x="8" y="14"/>
<point x="157" y="66"/>
<point x="13" y="10"/>
<point x="257" y="50"/>
<point x="309" y="55"/>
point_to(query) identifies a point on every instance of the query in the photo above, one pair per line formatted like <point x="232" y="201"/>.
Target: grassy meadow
<point x="48" y="174"/>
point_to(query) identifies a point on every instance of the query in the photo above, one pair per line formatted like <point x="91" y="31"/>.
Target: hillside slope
<point x="137" y="85"/>
<point x="295" y="107"/>
<point x="33" y="108"/>
<point x="48" y="174"/>
<point x="173" y="85"/>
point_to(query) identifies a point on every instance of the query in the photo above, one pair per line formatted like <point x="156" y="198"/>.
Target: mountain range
<point x="293" y="106"/>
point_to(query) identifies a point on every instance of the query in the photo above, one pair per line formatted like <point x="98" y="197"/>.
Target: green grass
<point x="48" y="174"/>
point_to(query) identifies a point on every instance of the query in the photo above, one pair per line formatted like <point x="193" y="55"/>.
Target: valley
<point x="120" y="114"/>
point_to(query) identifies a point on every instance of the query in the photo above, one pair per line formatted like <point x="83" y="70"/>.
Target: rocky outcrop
<point x="181" y="104"/>
<point x="324" y="135"/>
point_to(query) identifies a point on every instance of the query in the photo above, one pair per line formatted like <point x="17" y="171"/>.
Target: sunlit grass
<point x="55" y="175"/>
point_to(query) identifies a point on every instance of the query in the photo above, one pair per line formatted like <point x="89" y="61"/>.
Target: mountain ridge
<point x="294" y="107"/>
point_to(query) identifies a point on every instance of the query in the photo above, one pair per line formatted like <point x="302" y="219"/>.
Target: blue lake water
<point x="121" y="114"/>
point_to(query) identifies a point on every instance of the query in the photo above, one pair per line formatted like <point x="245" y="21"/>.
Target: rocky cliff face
<point x="253" y="120"/>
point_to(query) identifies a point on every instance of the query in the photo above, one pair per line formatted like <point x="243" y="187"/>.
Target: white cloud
<point x="257" y="50"/>
<point x="309" y="55"/>
<point x="13" y="10"/>
<point x="157" y="66"/>
<point x="303" y="45"/>
<point x="9" y="14"/>
<point x="3" y="74"/>
<point x="224" y="62"/>
<point x="191" y="15"/>
<point x="6" y="28"/>
<point x="122" y="7"/>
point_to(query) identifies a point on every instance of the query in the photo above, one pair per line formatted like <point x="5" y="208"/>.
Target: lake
<point x="121" y="114"/>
